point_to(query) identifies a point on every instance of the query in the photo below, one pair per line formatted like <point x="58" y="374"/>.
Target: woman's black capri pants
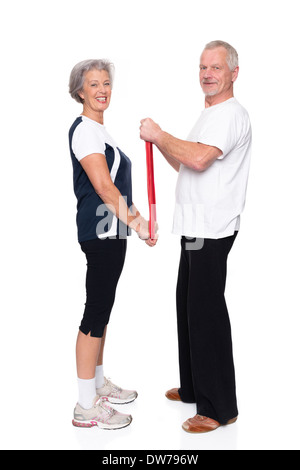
<point x="105" y="261"/>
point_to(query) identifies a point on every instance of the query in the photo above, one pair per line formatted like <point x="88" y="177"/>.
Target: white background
<point x="155" y="46"/>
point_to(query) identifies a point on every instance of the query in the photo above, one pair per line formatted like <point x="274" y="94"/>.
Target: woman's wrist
<point x="134" y="223"/>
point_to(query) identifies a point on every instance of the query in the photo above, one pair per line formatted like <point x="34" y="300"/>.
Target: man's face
<point x="216" y="78"/>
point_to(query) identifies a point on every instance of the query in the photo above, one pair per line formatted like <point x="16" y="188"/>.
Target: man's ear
<point x="235" y="74"/>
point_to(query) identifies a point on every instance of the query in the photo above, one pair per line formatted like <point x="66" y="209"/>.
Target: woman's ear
<point x="80" y="94"/>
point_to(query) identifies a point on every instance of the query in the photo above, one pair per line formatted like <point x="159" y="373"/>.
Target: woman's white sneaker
<point x="101" y="415"/>
<point x="116" y="394"/>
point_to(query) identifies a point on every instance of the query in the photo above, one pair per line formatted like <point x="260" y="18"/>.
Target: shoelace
<point x="103" y="403"/>
<point x="113" y="386"/>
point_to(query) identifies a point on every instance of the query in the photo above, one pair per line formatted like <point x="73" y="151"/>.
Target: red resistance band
<point x="151" y="189"/>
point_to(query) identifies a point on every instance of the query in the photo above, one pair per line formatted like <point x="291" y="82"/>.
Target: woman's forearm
<point x="97" y="171"/>
<point x="116" y="203"/>
<point x="131" y="217"/>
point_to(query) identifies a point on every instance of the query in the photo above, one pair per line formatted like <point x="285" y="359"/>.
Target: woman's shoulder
<point x="87" y="127"/>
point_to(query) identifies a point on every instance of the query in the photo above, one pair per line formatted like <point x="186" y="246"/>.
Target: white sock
<point x="99" y="377"/>
<point x="87" y="393"/>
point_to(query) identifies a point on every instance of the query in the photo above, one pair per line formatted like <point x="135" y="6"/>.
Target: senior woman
<point x="105" y="215"/>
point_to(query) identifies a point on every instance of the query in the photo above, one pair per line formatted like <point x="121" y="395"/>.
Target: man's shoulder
<point x="235" y="106"/>
<point x="228" y="110"/>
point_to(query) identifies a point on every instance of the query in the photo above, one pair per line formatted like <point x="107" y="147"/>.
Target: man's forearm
<point x="174" y="163"/>
<point x="194" y="155"/>
<point x="180" y="151"/>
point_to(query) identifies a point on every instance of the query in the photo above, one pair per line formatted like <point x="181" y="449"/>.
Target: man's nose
<point x="207" y="73"/>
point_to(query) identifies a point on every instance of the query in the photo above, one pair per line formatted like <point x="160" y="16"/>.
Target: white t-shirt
<point x="209" y="203"/>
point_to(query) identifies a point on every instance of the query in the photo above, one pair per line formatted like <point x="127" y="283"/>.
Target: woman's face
<point x="96" y="91"/>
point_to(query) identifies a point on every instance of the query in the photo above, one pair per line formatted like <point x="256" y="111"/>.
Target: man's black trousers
<point x="205" y="344"/>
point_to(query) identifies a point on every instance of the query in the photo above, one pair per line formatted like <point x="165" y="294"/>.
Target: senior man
<point x="213" y="165"/>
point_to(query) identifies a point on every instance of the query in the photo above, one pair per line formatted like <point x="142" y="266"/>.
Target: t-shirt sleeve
<point x="221" y="130"/>
<point x="86" y="141"/>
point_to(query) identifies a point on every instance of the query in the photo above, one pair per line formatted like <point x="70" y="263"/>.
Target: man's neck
<point x="217" y="99"/>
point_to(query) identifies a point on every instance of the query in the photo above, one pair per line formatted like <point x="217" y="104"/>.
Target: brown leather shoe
<point x="202" y="424"/>
<point x="173" y="394"/>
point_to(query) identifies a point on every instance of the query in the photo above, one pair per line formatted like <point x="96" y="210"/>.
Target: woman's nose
<point x="101" y="89"/>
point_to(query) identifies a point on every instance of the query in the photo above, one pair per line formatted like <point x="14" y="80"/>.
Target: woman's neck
<point x="94" y="115"/>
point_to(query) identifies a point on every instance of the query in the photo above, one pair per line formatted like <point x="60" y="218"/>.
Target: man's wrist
<point x="159" y="138"/>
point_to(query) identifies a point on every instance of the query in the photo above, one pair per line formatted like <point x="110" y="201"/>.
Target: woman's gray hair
<point x="232" y="55"/>
<point x="78" y="74"/>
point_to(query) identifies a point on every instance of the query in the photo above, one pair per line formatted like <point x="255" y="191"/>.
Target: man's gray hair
<point x="78" y="74"/>
<point x="232" y="55"/>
